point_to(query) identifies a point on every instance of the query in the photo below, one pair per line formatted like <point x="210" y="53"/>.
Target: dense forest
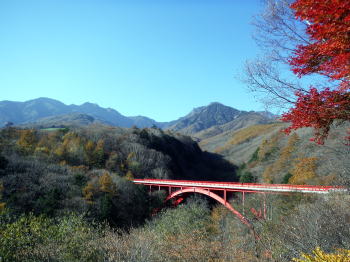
<point x="67" y="196"/>
<point x="83" y="176"/>
<point x="89" y="169"/>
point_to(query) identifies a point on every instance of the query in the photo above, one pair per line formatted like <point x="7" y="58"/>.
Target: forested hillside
<point x="266" y="154"/>
<point x="57" y="170"/>
<point x="70" y="189"/>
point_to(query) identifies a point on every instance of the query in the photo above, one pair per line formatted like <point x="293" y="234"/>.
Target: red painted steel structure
<point x="178" y="188"/>
<point x="240" y="187"/>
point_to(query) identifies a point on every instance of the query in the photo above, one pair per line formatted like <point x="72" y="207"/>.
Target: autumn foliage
<point x="319" y="110"/>
<point x="318" y="255"/>
<point x="303" y="171"/>
<point x="326" y="53"/>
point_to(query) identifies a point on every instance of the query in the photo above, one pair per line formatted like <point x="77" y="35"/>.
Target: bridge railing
<point x="238" y="185"/>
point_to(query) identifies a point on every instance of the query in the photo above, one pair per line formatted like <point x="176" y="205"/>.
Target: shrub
<point x="37" y="238"/>
<point x="254" y="156"/>
<point x="3" y="162"/>
<point x="247" y="177"/>
<point x="286" y="178"/>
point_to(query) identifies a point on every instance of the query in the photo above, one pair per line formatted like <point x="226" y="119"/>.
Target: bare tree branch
<point x="277" y="33"/>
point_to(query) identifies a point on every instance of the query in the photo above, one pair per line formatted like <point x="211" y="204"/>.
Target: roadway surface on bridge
<point x="241" y="187"/>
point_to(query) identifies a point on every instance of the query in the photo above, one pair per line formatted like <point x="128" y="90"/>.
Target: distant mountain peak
<point x="205" y="117"/>
<point x="89" y="104"/>
<point x="269" y="115"/>
<point x="215" y="104"/>
<point x="43" y="99"/>
<point x="215" y="117"/>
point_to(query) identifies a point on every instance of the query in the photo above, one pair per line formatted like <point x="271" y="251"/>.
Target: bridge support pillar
<point x="243" y="196"/>
<point x="264" y="206"/>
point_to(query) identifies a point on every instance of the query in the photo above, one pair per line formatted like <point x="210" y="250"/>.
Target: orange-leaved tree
<point x="307" y="37"/>
<point x="328" y="54"/>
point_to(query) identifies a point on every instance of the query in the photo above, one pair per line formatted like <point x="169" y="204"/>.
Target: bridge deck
<point x="246" y="187"/>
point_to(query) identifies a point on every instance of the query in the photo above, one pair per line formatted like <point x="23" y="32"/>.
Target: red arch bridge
<point x="220" y="191"/>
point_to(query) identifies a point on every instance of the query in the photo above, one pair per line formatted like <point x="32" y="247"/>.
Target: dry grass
<point x="246" y="134"/>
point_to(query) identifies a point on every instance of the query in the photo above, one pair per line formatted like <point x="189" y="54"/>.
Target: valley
<point x="58" y="165"/>
<point x="133" y="131"/>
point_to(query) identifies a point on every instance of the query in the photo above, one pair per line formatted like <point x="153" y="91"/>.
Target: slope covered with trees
<point x="89" y="169"/>
<point x="270" y="156"/>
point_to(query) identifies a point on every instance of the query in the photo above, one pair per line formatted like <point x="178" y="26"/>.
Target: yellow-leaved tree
<point x="304" y="170"/>
<point x="286" y="153"/>
<point x="268" y="146"/>
<point x="99" y="154"/>
<point x="106" y="184"/>
<point x="318" y="255"/>
<point x="89" y="191"/>
<point x="129" y="176"/>
<point x="27" y="141"/>
<point x="267" y="175"/>
<point x="89" y="152"/>
<point x="272" y="171"/>
<point x="94" y="153"/>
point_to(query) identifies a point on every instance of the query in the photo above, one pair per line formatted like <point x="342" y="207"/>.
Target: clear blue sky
<point x="158" y="58"/>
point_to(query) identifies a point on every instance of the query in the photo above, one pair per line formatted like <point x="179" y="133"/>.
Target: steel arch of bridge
<point x="212" y="195"/>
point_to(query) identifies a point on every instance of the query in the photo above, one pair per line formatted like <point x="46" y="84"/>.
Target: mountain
<point x="200" y="123"/>
<point x="142" y="121"/>
<point x="107" y="115"/>
<point x="48" y="110"/>
<point x="204" y="117"/>
<point x="216" y="118"/>
<point x="29" y="111"/>
<point x="245" y="119"/>
<point x="71" y="119"/>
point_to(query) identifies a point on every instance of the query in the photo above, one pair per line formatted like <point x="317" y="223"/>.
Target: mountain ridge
<point x="45" y="112"/>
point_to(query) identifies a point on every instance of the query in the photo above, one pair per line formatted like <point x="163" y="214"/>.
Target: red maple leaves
<point x="319" y="110"/>
<point x="328" y="54"/>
